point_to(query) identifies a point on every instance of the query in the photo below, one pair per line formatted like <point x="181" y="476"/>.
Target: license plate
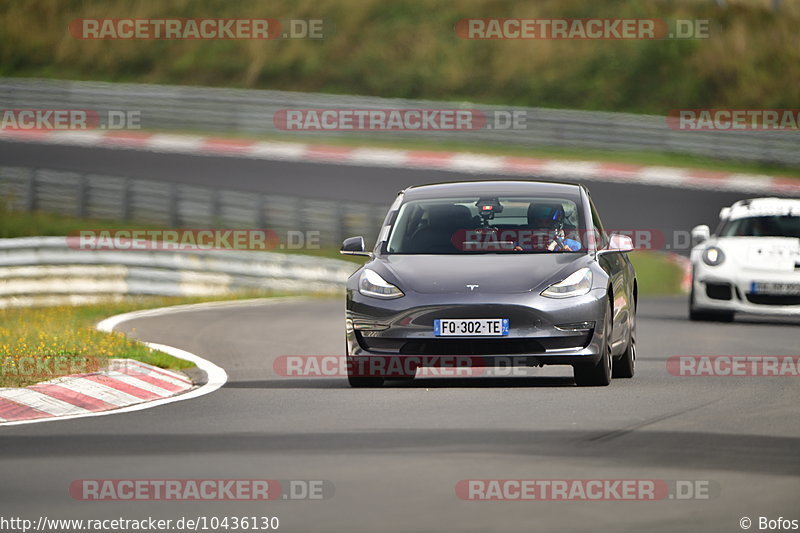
<point x="766" y="287"/>
<point x="470" y="327"/>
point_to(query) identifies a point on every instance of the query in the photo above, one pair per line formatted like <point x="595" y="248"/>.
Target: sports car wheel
<point x="358" y="381"/>
<point x="362" y="383"/>
<point x="624" y="366"/>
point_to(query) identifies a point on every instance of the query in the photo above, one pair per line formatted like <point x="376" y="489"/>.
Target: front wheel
<point x="360" y="382"/>
<point x="599" y="374"/>
<point x="624" y="366"/>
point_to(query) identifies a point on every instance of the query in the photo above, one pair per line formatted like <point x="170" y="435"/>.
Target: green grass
<point x="66" y="333"/>
<point x="38" y="223"/>
<point x="655" y="274"/>
<point x="38" y="344"/>
<point x="408" y="49"/>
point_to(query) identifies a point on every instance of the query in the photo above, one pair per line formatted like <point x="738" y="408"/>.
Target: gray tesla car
<point x="482" y="274"/>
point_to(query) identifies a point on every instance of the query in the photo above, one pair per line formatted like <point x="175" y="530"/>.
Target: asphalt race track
<point x="395" y="454"/>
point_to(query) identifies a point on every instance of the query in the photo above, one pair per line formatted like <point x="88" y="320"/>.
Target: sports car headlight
<point x="713" y="256"/>
<point x="576" y="284"/>
<point x="371" y="284"/>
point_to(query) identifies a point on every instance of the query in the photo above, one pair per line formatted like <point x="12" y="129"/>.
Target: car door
<point x="616" y="266"/>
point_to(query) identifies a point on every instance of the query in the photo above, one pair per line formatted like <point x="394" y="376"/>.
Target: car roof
<point x="763" y="206"/>
<point x="490" y="187"/>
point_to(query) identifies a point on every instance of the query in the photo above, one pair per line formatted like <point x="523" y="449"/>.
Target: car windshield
<point x="488" y="225"/>
<point x="762" y="226"/>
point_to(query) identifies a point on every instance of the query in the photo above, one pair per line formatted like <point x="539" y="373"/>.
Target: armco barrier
<point x="44" y="270"/>
<point x="178" y="205"/>
<point x="215" y="110"/>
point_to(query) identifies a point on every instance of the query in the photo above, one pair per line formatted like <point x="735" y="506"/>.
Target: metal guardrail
<point x="39" y="270"/>
<point x="46" y="271"/>
<point x="251" y="112"/>
<point x="183" y="206"/>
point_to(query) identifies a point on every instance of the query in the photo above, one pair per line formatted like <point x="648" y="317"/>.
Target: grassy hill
<point x="409" y="49"/>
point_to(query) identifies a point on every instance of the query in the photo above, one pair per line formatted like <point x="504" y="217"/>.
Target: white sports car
<point x="751" y="264"/>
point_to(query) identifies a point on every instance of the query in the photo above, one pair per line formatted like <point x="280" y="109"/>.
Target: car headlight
<point x="576" y="284"/>
<point x="713" y="256"/>
<point x="370" y="283"/>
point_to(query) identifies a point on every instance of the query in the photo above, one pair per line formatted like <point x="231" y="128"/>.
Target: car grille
<point x="492" y="346"/>
<point x="773" y="299"/>
<point x="471" y="346"/>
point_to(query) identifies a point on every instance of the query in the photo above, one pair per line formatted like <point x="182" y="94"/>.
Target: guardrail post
<point x="30" y="190"/>
<point x="81" y="209"/>
<point x="261" y="217"/>
<point x="340" y="232"/>
<point x="173" y="209"/>
<point x="125" y="200"/>
<point x="302" y="219"/>
<point x="216" y="207"/>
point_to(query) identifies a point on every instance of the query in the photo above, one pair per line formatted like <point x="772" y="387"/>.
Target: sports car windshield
<point x="488" y="225"/>
<point x="765" y="226"/>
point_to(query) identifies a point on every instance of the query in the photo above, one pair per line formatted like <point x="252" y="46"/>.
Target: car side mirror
<point x="618" y="243"/>
<point x="354" y="246"/>
<point x="700" y="234"/>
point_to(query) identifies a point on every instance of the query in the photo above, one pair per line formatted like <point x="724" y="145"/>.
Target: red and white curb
<point x="125" y="386"/>
<point x="473" y="163"/>
<point x="125" y="382"/>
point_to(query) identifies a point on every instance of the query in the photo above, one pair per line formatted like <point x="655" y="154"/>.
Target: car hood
<point x="493" y="273"/>
<point x="779" y="254"/>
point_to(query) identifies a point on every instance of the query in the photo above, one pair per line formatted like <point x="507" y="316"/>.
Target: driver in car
<point x="548" y="220"/>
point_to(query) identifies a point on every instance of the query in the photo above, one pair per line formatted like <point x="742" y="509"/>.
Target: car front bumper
<point x="541" y="330"/>
<point x="729" y="289"/>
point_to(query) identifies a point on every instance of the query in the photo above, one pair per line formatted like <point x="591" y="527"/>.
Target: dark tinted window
<point x="767" y="226"/>
<point x="488" y="225"/>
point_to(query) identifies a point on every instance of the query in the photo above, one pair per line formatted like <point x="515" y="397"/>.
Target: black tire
<point x="624" y="366"/>
<point x="404" y="377"/>
<point x="704" y="315"/>
<point x="599" y="374"/>
<point x="360" y="382"/>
